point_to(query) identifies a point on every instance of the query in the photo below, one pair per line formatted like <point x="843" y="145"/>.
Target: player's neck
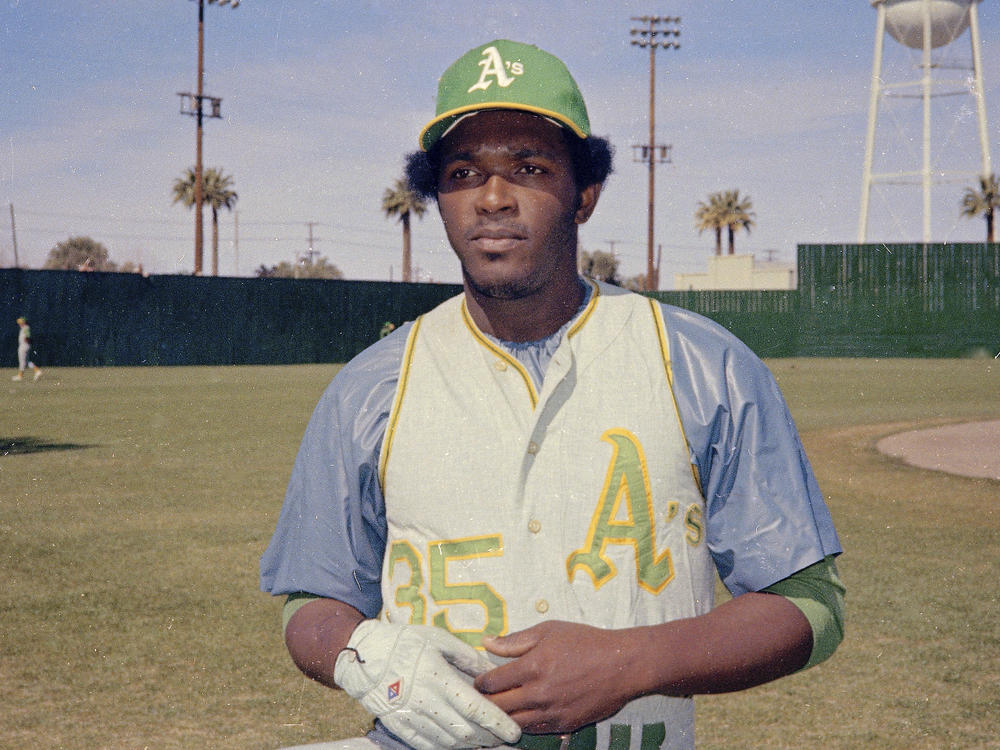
<point x="529" y="318"/>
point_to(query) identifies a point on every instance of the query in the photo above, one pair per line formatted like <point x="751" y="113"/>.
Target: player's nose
<point x="496" y="195"/>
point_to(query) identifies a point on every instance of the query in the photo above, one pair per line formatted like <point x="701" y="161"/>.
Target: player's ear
<point x="588" y="202"/>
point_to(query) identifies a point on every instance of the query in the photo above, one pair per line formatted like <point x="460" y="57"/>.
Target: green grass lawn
<point x="136" y="502"/>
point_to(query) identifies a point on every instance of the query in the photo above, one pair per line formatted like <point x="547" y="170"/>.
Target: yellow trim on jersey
<point x="661" y="333"/>
<point x="588" y="311"/>
<point x="498" y="351"/>
<point x="404" y="374"/>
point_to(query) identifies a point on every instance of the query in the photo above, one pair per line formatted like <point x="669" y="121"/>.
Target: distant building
<point x="738" y="272"/>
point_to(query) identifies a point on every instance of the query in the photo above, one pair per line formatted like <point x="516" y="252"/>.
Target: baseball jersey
<point x="664" y="440"/>
<point x="574" y="502"/>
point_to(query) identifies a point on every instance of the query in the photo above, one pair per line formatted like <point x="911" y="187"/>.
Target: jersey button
<point x="533" y="448"/>
<point x="499" y="365"/>
<point x="534" y="525"/>
<point x="541" y="606"/>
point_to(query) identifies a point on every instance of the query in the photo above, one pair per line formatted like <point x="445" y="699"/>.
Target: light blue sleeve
<point x="765" y="515"/>
<point x="330" y="536"/>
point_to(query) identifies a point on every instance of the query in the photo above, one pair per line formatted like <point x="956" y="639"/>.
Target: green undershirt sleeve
<point x="819" y="593"/>
<point x="293" y="603"/>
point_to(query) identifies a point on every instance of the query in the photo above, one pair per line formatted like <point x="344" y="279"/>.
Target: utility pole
<point x="194" y="104"/>
<point x="310" y="254"/>
<point x="653" y="153"/>
<point x="13" y="235"/>
<point x="236" y="243"/>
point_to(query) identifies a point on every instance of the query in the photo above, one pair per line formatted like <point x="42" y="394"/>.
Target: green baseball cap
<point x="507" y="75"/>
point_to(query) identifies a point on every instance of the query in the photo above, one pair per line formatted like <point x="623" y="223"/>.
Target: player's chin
<point x="503" y="286"/>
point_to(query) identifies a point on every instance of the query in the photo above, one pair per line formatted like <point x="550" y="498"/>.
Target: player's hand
<point x="563" y="676"/>
<point x="418" y="680"/>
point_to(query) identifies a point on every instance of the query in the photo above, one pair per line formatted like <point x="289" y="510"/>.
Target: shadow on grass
<point x="11" y="446"/>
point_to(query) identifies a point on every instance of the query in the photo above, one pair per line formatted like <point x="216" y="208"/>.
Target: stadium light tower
<point x="194" y="104"/>
<point x="647" y="38"/>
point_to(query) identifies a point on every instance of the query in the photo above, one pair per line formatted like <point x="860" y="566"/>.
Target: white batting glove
<point x="418" y="680"/>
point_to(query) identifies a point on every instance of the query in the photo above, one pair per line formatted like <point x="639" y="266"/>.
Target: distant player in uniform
<point x="505" y="520"/>
<point x="24" y="351"/>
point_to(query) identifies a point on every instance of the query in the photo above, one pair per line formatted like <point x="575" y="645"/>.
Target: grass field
<point x="135" y="504"/>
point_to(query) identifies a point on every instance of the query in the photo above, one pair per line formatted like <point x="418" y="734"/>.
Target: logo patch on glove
<point x="394" y="690"/>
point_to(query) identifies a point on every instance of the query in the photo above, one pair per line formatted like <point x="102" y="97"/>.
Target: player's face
<point x="509" y="203"/>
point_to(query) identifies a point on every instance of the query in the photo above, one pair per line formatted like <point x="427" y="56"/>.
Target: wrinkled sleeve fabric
<point x="765" y="515"/>
<point x="329" y="540"/>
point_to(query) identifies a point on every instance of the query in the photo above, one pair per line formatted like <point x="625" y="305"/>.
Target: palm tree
<point x="400" y="201"/>
<point x="709" y="215"/>
<point x="984" y="201"/>
<point x="737" y="214"/>
<point x="216" y="192"/>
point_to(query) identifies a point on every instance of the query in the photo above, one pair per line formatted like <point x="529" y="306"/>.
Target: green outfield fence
<point x="106" y="319"/>
<point x="878" y="300"/>
<point x="871" y="300"/>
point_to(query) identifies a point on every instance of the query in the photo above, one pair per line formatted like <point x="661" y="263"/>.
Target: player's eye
<point x="460" y="177"/>
<point x="532" y="169"/>
<point x="462" y="174"/>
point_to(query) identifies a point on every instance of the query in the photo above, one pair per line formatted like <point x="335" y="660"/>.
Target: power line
<point x="180" y="223"/>
<point x="95" y="217"/>
<point x="339" y="242"/>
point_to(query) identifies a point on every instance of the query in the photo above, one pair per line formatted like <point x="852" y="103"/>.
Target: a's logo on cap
<point x="493" y="66"/>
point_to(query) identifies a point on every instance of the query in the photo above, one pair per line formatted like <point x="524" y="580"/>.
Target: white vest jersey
<point x="507" y="507"/>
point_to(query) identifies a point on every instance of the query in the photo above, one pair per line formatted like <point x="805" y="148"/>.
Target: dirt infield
<point x="971" y="449"/>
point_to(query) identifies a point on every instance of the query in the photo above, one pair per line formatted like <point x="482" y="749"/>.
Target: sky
<point x="322" y="100"/>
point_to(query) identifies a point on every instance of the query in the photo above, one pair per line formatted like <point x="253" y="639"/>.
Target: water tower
<point x="926" y="28"/>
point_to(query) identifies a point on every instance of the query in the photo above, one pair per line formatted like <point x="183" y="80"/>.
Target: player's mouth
<point x="496" y="239"/>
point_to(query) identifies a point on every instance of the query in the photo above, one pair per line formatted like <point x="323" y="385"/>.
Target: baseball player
<point x="24" y="351"/>
<point x="506" y="518"/>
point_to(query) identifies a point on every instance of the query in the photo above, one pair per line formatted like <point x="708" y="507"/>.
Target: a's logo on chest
<point x="624" y="516"/>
